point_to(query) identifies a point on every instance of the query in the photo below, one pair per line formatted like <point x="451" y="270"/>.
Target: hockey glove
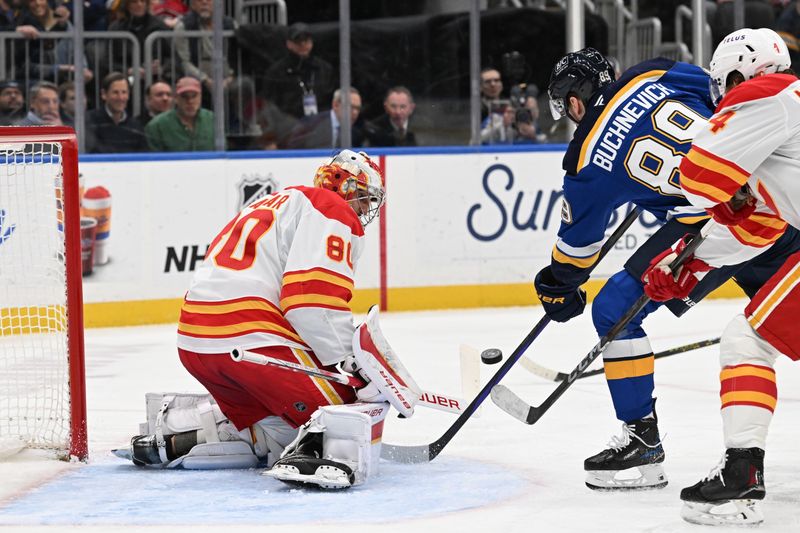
<point x="735" y="210"/>
<point x="561" y="302"/>
<point x="369" y="393"/>
<point x="660" y="284"/>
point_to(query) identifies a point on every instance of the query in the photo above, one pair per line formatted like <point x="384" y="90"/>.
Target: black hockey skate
<point x="633" y="461"/>
<point x="144" y="451"/>
<point x="306" y="467"/>
<point x="730" y="493"/>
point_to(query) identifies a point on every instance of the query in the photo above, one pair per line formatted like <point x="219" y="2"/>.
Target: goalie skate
<point x="304" y="466"/>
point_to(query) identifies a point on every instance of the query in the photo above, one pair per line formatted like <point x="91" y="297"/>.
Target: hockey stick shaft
<point x="434" y="400"/>
<point x="555" y="375"/>
<point x="424" y="453"/>
<point x="511" y="403"/>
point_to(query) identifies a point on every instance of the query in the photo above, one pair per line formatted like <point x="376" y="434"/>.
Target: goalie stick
<point x="555" y="375"/>
<point x="512" y="404"/>
<point x="434" y="400"/>
<point x="424" y="453"/>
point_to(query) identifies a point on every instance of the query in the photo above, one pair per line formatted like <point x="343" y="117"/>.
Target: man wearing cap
<point x="196" y="53"/>
<point x="12" y="103"/>
<point x="188" y="127"/>
<point x="300" y="84"/>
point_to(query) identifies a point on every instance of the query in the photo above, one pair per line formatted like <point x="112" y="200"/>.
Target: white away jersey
<point x="754" y="139"/>
<point x="279" y="273"/>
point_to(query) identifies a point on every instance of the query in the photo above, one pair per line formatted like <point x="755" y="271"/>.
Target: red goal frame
<point x="66" y="137"/>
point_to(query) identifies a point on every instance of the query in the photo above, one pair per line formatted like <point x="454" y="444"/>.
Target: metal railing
<point x="642" y="40"/>
<point x="684" y="13"/>
<point x="111" y="51"/>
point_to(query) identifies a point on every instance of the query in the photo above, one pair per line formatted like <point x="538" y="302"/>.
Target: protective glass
<point x="716" y="89"/>
<point x="557" y="108"/>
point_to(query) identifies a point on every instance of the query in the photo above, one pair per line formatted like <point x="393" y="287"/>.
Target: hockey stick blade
<point x="530" y="414"/>
<point x="428" y="452"/>
<point x="555" y="375"/>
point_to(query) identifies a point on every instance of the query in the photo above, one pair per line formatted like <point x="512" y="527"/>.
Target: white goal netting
<point x="34" y="354"/>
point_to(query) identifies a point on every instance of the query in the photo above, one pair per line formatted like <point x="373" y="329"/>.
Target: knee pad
<point x="740" y="344"/>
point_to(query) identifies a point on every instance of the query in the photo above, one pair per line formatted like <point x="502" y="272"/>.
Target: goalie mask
<point x="358" y="180"/>
<point x="749" y="52"/>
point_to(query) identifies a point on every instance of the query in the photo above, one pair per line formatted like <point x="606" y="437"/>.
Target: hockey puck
<point x="491" y="356"/>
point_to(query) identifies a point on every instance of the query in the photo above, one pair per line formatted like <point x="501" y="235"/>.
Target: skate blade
<point x="123" y="453"/>
<point x="646" y="477"/>
<point x="326" y="477"/>
<point x="723" y="513"/>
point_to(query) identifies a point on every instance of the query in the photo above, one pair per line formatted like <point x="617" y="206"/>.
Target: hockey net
<point x="42" y="396"/>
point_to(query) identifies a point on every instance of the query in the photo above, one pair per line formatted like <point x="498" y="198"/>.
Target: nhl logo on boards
<point x="253" y="187"/>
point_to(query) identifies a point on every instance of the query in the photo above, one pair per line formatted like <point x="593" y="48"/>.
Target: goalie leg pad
<point x="190" y="431"/>
<point x="338" y="447"/>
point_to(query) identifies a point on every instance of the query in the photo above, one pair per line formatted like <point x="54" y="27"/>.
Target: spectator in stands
<point x="47" y="59"/>
<point x="788" y="27"/>
<point x="135" y="17"/>
<point x="526" y="123"/>
<point x="10" y="11"/>
<point x="109" y="128"/>
<point x="491" y="89"/>
<point x="66" y="95"/>
<point x="169" y="11"/>
<point x="43" y="106"/>
<point x="391" y="128"/>
<point x="12" y="103"/>
<point x="188" y="127"/>
<point x="158" y="99"/>
<point x="498" y="126"/>
<point x="195" y="54"/>
<point x="323" y="129"/>
<point x="300" y="83"/>
<point x="95" y="13"/>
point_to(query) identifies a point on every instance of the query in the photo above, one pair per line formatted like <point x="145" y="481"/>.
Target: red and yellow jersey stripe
<point x="233" y="318"/>
<point x="316" y="287"/>
<point x="710" y="176"/>
<point x="753" y="385"/>
<point x="759" y="229"/>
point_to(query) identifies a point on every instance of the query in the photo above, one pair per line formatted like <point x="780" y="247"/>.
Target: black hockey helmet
<point x="581" y="74"/>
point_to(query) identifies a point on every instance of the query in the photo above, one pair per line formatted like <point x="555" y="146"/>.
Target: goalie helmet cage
<point x="42" y="376"/>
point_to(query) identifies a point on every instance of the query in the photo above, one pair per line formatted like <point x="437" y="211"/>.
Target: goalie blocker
<point x="338" y="447"/>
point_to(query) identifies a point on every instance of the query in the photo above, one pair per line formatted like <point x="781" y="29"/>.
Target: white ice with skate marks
<point x="112" y="490"/>
<point x="545" y="459"/>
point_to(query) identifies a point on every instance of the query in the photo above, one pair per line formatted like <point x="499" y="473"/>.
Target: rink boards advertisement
<point x="461" y="227"/>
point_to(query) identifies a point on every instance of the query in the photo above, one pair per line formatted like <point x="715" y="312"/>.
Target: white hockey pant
<point x="745" y="426"/>
<point x="219" y="443"/>
<point x="351" y="434"/>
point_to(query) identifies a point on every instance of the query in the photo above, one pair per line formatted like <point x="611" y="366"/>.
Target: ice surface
<point x="496" y="475"/>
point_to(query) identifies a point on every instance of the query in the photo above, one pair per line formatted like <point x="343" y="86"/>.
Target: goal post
<point x="42" y="373"/>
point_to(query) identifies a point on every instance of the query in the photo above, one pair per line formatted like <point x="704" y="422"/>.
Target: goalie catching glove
<point x="661" y="284"/>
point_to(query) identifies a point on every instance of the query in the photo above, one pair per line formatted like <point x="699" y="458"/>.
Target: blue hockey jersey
<point x="628" y="148"/>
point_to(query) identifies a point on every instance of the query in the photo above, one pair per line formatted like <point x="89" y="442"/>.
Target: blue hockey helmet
<point x="580" y="74"/>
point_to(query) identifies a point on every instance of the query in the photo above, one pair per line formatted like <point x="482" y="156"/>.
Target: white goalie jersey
<point x="279" y="273"/>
